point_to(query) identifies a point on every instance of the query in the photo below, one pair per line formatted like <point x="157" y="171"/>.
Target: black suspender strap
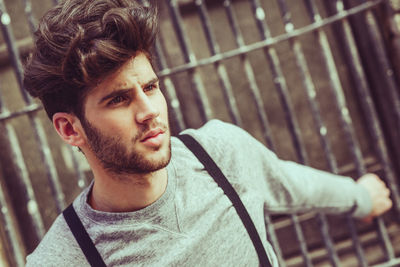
<point x="82" y="237"/>
<point x="93" y="256"/>
<point x="222" y="182"/>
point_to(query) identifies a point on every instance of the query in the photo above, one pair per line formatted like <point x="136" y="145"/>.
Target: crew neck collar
<point x="147" y="214"/>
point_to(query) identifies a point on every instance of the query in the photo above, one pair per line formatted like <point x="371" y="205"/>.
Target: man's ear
<point x="69" y="128"/>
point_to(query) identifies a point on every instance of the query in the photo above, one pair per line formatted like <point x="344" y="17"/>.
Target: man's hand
<point x="379" y="194"/>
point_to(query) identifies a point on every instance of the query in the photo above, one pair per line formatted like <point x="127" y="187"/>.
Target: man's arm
<point x="285" y="186"/>
<point x="379" y="194"/>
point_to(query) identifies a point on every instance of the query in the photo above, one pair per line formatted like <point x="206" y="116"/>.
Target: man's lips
<point x="153" y="138"/>
<point x="151" y="134"/>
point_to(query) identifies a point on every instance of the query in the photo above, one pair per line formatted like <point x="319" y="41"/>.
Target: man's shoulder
<point x="216" y="132"/>
<point x="228" y="145"/>
<point x="57" y="248"/>
<point x="215" y="126"/>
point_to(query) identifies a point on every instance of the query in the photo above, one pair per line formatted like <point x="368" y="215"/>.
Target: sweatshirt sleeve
<point x="312" y="189"/>
<point x="286" y="187"/>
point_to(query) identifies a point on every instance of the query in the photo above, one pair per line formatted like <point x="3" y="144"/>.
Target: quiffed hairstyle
<point x="78" y="43"/>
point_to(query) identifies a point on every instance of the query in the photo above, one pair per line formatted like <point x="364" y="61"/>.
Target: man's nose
<point x="145" y="109"/>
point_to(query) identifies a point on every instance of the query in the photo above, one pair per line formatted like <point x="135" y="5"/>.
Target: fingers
<point x="379" y="193"/>
<point x="381" y="207"/>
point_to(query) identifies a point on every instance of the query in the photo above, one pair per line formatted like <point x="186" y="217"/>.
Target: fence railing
<point x="305" y="77"/>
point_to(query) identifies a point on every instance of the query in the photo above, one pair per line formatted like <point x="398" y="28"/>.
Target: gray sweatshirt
<point x="193" y="223"/>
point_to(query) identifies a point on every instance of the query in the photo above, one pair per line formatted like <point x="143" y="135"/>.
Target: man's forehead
<point x="136" y="70"/>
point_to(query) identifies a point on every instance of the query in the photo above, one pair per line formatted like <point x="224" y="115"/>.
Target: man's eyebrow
<point x="114" y="94"/>
<point x="151" y="82"/>
<point x="124" y="91"/>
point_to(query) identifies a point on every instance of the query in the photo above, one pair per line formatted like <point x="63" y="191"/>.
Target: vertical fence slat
<point x="81" y="177"/>
<point x="221" y="70"/>
<point x="388" y="82"/>
<point x="34" y="120"/>
<point x="254" y="89"/>
<point x="179" y="123"/>
<point x="347" y="127"/>
<point x="383" y="235"/>
<point x="384" y="63"/>
<point x="260" y="111"/>
<point x="197" y="84"/>
<point x="21" y="174"/>
<point x="320" y="126"/>
<point x="344" y="115"/>
<point x="28" y="197"/>
<point x="279" y="81"/>
<point x="281" y="86"/>
<point x="11" y="231"/>
<point x="28" y="12"/>
<point x="354" y="63"/>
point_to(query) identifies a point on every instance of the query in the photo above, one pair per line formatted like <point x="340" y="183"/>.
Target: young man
<point x="151" y="202"/>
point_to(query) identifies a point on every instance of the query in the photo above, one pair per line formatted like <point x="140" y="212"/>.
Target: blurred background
<point x="317" y="81"/>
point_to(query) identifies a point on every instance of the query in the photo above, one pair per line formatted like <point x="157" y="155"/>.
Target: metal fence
<point x="316" y="81"/>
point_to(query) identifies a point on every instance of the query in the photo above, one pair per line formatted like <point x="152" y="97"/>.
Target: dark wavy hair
<point x="78" y="43"/>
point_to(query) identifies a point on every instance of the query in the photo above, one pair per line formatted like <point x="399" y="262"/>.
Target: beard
<point x="115" y="156"/>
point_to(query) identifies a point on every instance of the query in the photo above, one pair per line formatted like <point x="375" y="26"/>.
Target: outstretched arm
<point x="379" y="194"/>
<point x="285" y="186"/>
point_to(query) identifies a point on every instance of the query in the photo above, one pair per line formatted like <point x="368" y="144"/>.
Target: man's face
<point x="126" y="120"/>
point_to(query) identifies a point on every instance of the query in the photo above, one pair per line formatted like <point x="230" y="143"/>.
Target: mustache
<point x="148" y="127"/>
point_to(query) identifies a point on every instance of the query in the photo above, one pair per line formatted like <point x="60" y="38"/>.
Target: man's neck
<point x="112" y="193"/>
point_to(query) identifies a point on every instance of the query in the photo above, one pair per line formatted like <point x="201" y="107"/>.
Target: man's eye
<point x="150" y="87"/>
<point x="117" y="100"/>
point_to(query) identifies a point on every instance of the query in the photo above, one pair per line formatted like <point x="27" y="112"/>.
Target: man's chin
<point x="138" y="168"/>
<point x="142" y="162"/>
